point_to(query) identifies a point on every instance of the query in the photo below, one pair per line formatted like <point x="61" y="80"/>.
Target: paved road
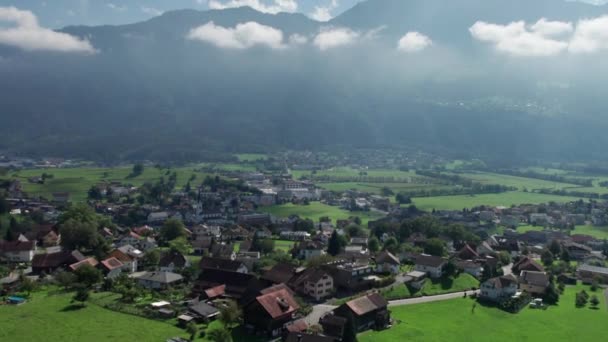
<point x="428" y="299"/>
<point x="507" y="269"/>
<point x="321" y="309"/>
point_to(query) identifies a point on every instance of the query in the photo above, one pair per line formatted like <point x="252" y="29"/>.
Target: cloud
<point x="297" y="39"/>
<point x="28" y="35"/>
<point x="551" y="28"/>
<point x="117" y="7"/>
<point x="335" y="37"/>
<point x="517" y="39"/>
<point x="591" y="35"/>
<point x="151" y="11"/>
<point x="243" y="36"/>
<point x="323" y="13"/>
<point x="414" y="42"/>
<point x="277" y="6"/>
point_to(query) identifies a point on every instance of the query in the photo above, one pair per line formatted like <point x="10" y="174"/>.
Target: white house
<point x="315" y="283"/>
<point x="157" y="280"/>
<point x="18" y="251"/>
<point x="387" y="263"/>
<point x="431" y="265"/>
<point x="499" y="288"/>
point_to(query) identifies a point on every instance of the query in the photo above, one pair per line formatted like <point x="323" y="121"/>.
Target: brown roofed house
<point x="369" y="312"/>
<point x="49" y="263"/>
<point x="270" y="312"/>
<point x="527" y="264"/>
<point x="208" y="263"/>
<point x="112" y="267"/>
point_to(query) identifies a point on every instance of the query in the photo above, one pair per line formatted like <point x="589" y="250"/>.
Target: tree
<point x="581" y="299"/>
<point x="594" y="301"/>
<point x="180" y="245"/>
<point x="138" y="169"/>
<point x="551" y="295"/>
<point x="386" y="192"/>
<point x="565" y="256"/>
<point x="403" y="198"/>
<point x="373" y="244"/>
<point x="350" y="331"/>
<point x="10" y="234"/>
<point x="230" y="314"/>
<point x="94" y="193"/>
<point x="555" y="247"/>
<point x="88" y="275"/>
<point x="4" y="206"/>
<point x="151" y="259"/>
<point x="391" y="244"/>
<point x="65" y="279"/>
<point x="82" y="295"/>
<point x="78" y="235"/>
<point x="27" y="285"/>
<point x="504" y="258"/>
<point x="172" y="229"/>
<point x="333" y="246"/>
<point x="220" y="335"/>
<point x="435" y="247"/>
<point x="449" y="269"/>
<point x="547" y="257"/>
<point x="192" y="329"/>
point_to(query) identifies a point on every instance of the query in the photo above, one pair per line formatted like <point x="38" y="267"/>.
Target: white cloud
<point x="323" y="13"/>
<point x="548" y="28"/>
<point x="297" y="39"/>
<point x="117" y="7"/>
<point x="591" y="35"/>
<point x="151" y="11"/>
<point x="414" y="42"/>
<point x="277" y="6"/>
<point x="243" y="36"/>
<point x="28" y="35"/>
<point x="335" y="37"/>
<point x="517" y="40"/>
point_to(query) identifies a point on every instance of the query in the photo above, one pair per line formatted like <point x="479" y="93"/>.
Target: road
<point x="321" y="309"/>
<point x="507" y="269"/>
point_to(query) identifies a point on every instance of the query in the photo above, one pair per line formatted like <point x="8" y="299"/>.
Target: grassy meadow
<point x="463" y="282"/>
<point x="600" y="233"/>
<point x="316" y="210"/>
<point x="462" y="320"/>
<point x="506" y="199"/>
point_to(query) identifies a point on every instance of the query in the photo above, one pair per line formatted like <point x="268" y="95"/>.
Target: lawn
<point x="52" y="318"/>
<point x="597" y="232"/>
<point x="251" y="157"/>
<point x="456" y="320"/>
<point x="316" y="210"/>
<point x="518" y="182"/>
<point x="461" y="283"/>
<point x="344" y="172"/>
<point x="77" y="181"/>
<point x="502" y="199"/>
<point x="283" y="245"/>
<point x="375" y="188"/>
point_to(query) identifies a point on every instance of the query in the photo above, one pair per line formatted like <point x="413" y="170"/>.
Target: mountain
<point x="151" y="93"/>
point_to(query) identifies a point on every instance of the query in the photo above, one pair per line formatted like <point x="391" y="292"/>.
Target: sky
<point x="60" y="13"/>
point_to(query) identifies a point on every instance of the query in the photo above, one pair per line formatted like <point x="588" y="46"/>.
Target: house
<point x="533" y="282"/>
<point x="527" y="264"/>
<point x="50" y="262"/>
<point x="467" y="253"/>
<point x="333" y="325"/>
<point x="269" y="312"/>
<point x="297" y="326"/>
<point x="471" y="267"/>
<point x="387" y="263"/>
<point x="484" y="248"/>
<point x="236" y="285"/>
<point x="131" y="239"/>
<point x="280" y="273"/>
<point x="368" y="312"/>
<point x="88" y="261"/>
<point x="158" y="217"/>
<point x="18" y="251"/>
<point x="309" y="249"/>
<point x="499" y="288"/>
<point x="61" y="197"/>
<point x="313" y="282"/>
<point x="202" y="312"/>
<point x="158" y="280"/>
<point x="208" y="263"/>
<point x="351" y="276"/>
<point x="172" y="261"/>
<point x="147" y="243"/>
<point x="587" y="273"/>
<point x="359" y="241"/>
<point x="429" y="264"/>
<point x="112" y="267"/>
<point x="577" y="251"/>
<point x="302" y="337"/>
<point x="130" y="264"/>
<point x="415" y="279"/>
<point x="214" y="292"/>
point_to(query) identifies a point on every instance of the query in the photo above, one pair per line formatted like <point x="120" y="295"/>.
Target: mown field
<point x="54" y="319"/>
<point x="350" y="172"/>
<point x="519" y="182"/>
<point x="462" y="320"/>
<point x="461" y="283"/>
<point x="78" y="181"/>
<point x="316" y="210"/>
<point x="597" y="232"/>
<point x="506" y="199"/>
<point x="376" y="188"/>
<point x="251" y="157"/>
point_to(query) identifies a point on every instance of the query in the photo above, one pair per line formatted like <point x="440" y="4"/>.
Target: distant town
<point x="299" y="246"/>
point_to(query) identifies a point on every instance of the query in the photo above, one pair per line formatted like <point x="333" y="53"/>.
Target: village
<point x="211" y="253"/>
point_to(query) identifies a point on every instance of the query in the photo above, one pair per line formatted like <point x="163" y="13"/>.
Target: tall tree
<point x="172" y="229"/>
<point x="230" y="314"/>
<point x="333" y="246"/>
<point x="373" y="244"/>
<point x="555" y="247"/>
<point x="88" y="275"/>
<point x="220" y="335"/>
<point x="547" y="257"/>
<point x="435" y="247"/>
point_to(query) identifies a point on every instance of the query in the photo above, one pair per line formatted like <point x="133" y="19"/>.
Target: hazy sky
<point x="59" y="13"/>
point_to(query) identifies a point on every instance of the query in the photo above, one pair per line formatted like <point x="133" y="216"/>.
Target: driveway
<point x="317" y="312"/>
<point x="428" y="299"/>
<point x="507" y="269"/>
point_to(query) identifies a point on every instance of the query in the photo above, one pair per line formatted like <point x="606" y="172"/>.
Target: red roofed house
<point x="215" y="292"/>
<point x="368" y="312"/>
<point x="112" y="267"/>
<point x="270" y="312"/>
<point x="129" y="262"/>
<point x="89" y="261"/>
<point x="527" y="264"/>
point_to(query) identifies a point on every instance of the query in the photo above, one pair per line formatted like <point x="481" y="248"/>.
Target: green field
<point x="600" y="233"/>
<point x="283" y="245"/>
<point x="519" y="182"/>
<point x="461" y="283"/>
<point x="251" y="157"/>
<point x="229" y="167"/>
<point x="456" y="320"/>
<point x="375" y="188"/>
<point x="316" y="210"/>
<point x="77" y="181"/>
<point x="53" y="319"/>
<point x="506" y="199"/>
<point x="350" y="172"/>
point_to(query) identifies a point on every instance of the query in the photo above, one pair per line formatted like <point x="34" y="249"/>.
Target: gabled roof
<point x="173" y="257"/>
<point x="297" y="326"/>
<point x="54" y="260"/>
<point x="220" y="264"/>
<point x="388" y="258"/>
<point x="278" y="303"/>
<point x="593" y="269"/>
<point x="120" y="255"/>
<point x="89" y="261"/>
<point x="215" y="292"/>
<point x="312" y="275"/>
<point x="362" y="305"/>
<point x="429" y="260"/>
<point x="111" y="264"/>
<point x="467" y="253"/>
<point x="204" y="310"/>
<point x="301" y="337"/>
<point x="527" y="264"/>
<point x="161" y="277"/>
<point x="502" y="282"/>
<point x="17" y="246"/>
<point x="279" y="273"/>
<point x="534" y="278"/>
